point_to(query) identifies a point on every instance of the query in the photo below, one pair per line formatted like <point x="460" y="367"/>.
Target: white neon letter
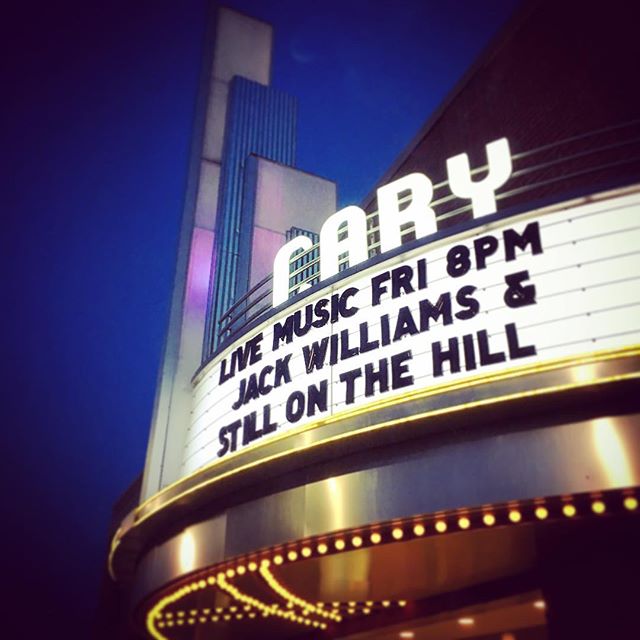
<point x="355" y="244"/>
<point x="419" y="212"/>
<point x="281" y="267"/>
<point x="481" y="193"/>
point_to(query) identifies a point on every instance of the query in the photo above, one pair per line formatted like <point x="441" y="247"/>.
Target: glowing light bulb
<point x="541" y="513"/>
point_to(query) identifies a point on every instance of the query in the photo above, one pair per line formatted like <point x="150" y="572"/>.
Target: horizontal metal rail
<point x="246" y="296"/>
<point x="239" y="310"/>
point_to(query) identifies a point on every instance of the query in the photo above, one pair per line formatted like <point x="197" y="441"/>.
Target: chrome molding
<point x="583" y="456"/>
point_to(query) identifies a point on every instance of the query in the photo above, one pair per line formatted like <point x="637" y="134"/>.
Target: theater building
<point x="417" y="417"/>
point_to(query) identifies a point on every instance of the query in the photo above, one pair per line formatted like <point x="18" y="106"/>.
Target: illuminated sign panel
<point x="525" y="290"/>
<point x="392" y="216"/>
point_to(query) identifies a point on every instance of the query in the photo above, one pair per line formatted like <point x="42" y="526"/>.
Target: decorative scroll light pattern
<point x="551" y="509"/>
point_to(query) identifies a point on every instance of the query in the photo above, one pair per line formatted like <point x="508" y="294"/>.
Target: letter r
<point x="417" y="212"/>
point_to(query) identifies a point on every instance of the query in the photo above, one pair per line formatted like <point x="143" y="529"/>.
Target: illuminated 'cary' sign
<point x="503" y="299"/>
<point x="391" y="218"/>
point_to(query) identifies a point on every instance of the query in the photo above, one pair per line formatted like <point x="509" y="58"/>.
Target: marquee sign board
<point x="524" y="290"/>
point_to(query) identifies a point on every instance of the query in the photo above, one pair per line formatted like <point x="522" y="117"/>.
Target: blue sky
<point x="98" y="102"/>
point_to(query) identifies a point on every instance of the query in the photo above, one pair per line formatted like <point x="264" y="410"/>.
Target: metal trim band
<point x="365" y="426"/>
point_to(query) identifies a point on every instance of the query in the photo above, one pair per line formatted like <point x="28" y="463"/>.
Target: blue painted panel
<point x="260" y="120"/>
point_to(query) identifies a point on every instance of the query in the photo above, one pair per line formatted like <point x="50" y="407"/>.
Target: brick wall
<point x="557" y="70"/>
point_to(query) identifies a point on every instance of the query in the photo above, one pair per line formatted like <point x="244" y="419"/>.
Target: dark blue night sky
<point x="97" y="102"/>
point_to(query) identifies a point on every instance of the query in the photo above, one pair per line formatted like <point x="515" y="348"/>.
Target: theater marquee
<point x="525" y="290"/>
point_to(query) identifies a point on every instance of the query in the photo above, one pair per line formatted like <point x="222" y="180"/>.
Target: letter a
<point x="355" y="244"/>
